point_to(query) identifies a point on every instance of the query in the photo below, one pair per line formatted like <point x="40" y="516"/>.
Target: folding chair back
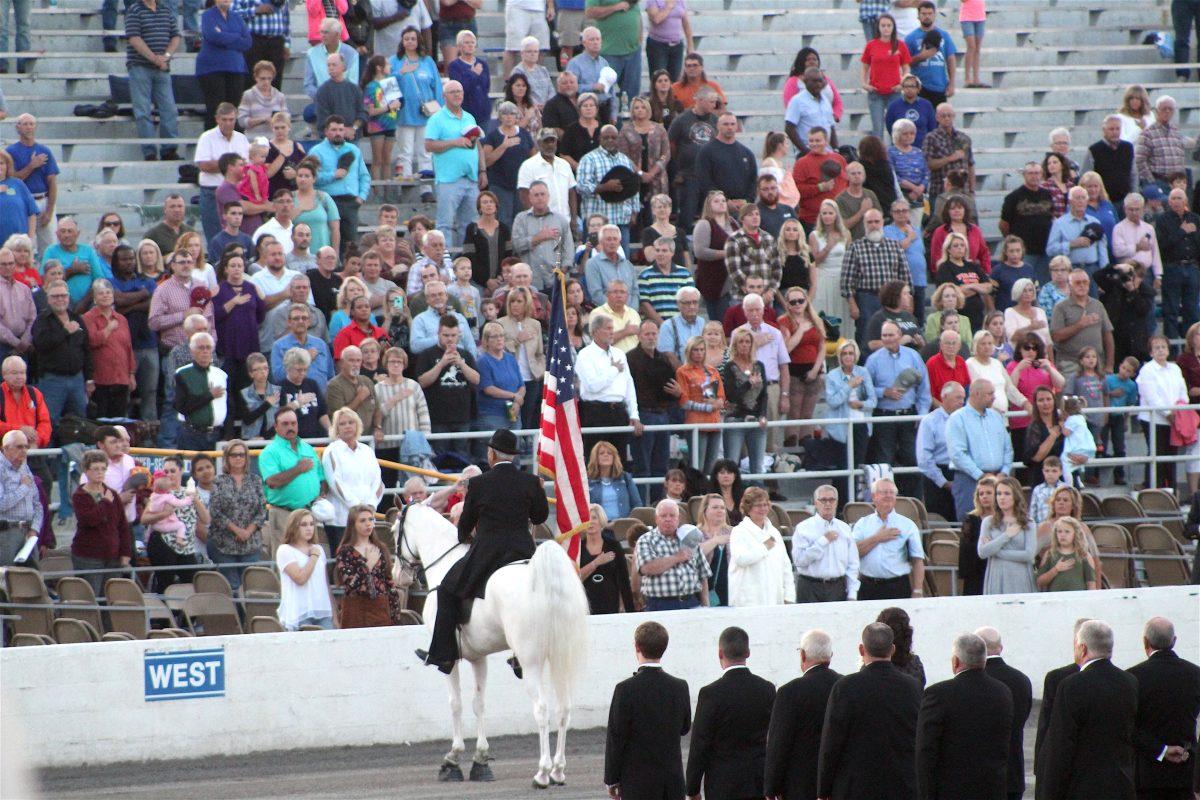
<point x="211" y="582"/>
<point x="74" y="631"/>
<point x="211" y="614"/>
<point x="77" y="591"/>
<point x="265" y="625"/>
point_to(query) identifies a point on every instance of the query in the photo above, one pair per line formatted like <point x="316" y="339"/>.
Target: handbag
<point x="430" y="107"/>
<point x="714" y="599"/>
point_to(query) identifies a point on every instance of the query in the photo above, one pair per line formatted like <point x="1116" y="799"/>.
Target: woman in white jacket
<point x="760" y="572"/>
<point x="351" y="472"/>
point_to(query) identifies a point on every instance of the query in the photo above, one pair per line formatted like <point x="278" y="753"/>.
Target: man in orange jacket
<point x="22" y="407"/>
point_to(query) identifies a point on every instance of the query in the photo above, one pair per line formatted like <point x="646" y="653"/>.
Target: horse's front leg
<point x="562" y="713"/>
<point x="541" y="714"/>
<point x="450" y="769"/>
<point x="480" y="771"/>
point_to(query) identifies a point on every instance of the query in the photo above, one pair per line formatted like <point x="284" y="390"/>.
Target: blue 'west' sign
<point x="184" y="674"/>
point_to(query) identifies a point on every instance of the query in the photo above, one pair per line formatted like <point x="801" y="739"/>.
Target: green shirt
<point x="620" y="32"/>
<point x="278" y="456"/>
<point x="1073" y="580"/>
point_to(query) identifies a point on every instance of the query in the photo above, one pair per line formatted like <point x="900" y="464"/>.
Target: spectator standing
<point x="971" y="16"/>
<point x="259" y="400"/>
<point x="653" y="373"/>
<point x="669" y="36"/>
<point x="21" y="515"/>
<point x="102" y="537"/>
<point x="620" y="26"/>
<point x="167" y="232"/>
<point x="690" y="131"/>
<point x="20" y="210"/>
<point x="1160" y="383"/>
<point x="702" y="398"/>
<point x="554" y="171"/>
<point x="292" y="473"/>
<point x="610" y="264"/>
<point x="728" y="165"/>
<point x="607" y="392"/>
<point x="870" y="262"/>
<point x="422" y="89"/>
<point x="868" y="742"/>
<point x="153" y="37"/>
<point x="978" y="444"/>
<point x="167" y="549"/>
<point x="64" y="357"/>
<point x="770" y="349"/>
<point x="299" y="336"/>
<point x="1134" y="239"/>
<point x="1161" y="149"/>
<point x="955" y="219"/>
<point x="947" y="150"/>
<point x="855" y="201"/>
<point x="885" y="62"/>
<point x="891" y="559"/>
<point x="351" y="389"/>
<point x="23" y="407"/>
<point x="601" y="190"/>
<point x="1112" y="158"/>
<point x="221" y="62"/>
<point x="115" y="371"/>
<point x="17" y="310"/>
<point x="660" y="284"/>
<point x="340" y="95"/>
<point x="908" y="163"/>
<point x="804" y="334"/>
<point x="81" y="261"/>
<point x="1008" y="542"/>
<point x="270" y="26"/>
<point x="364" y="567"/>
<point x="809" y="108"/>
<point x="238" y="509"/>
<point x="448" y="374"/>
<point x="934" y="58"/>
<point x="351" y="471"/>
<point x="964" y="729"/>
<point x="747" y="393"/>
<point x="1178" y="233"/>
<point x="604" y="571"/>
<point x="672" y="576"/>
<point x="1079" y="322"/>
<point x="304" y="590"/>
<point x="1011" y="270"/>
<point x="212" y="145"/>
<point x="828" y="242"/>
<point x="261" y="102"/>
<point x="301" y="394"/>
<point x="1129" y="299"/>
<point x="343" y="175"/>
<point x="34" y="164"/>
<point x="541" y="237"/>
<point x="1028" y="214"/>
<point x="610" y="485"/>
<point x="849" y="392"/>
<point x="505" y="148"/>
<point x="933" y="452"/>
<point x="824" y="553"/>
<point x="752" y="253"/>
<point x="452" y="136"/>
<point x="201" y="397"/>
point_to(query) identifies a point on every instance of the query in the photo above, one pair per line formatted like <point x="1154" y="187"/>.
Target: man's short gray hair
<point x="753" y="301"/>
<point x="1166" y="99"/>
<point x="1159" y="633"/>
<point x="686" y="291"/>
<point x="200" y="337"/>
<point x="665" y="504"/>
<point x="1111" y="118"/>
<point x="610" y="228"/>
<point x="436" y="234"/>
<point x="970" y="650"/>
<point x="597" y="322"/>
<point x="817" y="645"/>
<point x="10" y="438"/>
<point x="329" y="25"/>
<point x="1059" y="132"/>
<point x="991" y="638"/>
<point x="616" y="283"/>
<point x="951" y="386"/>
<point x="1133" y="197"/>
<point x="1097" y="636"/>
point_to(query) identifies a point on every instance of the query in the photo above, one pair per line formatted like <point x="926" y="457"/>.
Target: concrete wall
<point x="83" y="704"/>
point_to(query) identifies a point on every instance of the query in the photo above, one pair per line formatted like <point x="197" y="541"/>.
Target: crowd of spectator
<point x="706" y="286"/>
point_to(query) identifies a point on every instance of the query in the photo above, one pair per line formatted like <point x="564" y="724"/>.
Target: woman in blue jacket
<point x="849" y="392"/>
<point x="609" y="485"/>
<point x="221" y="62"/>
<point x="421" y="85"/>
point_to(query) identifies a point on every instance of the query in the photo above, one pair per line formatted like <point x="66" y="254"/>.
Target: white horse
<point x="536" y="609"/>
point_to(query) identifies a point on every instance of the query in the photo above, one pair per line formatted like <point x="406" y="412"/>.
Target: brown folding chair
<point x="621" y="527"/>
<point x="1120" y="506"/>
<point x="265" y="625"/>
<point x="118" y="636"/>
<point x="78" y="592"/>
<point x="211" y="582"/>
<point x="1117" y="566"/>
<point x="74" y="631"/>
<point x="1091" y="506"/>
<point x="797" y="515"/>
<point x="943" y="554"/>
<point x="213" y="614"/>
<point x="780" y="519"/>
<point x="260" y="579"/>
<point x="30" y="640"/>
<point x="643" y="514"/>
<point x="856" y="510"/>
<point x="26" y="585"/>
<point x="175" y="595"/>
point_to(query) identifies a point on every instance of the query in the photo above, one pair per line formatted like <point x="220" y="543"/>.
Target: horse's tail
<point x="559" y="615"/>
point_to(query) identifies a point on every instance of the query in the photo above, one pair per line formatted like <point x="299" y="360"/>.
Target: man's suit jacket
<point x="1168" y="703"/>
<point x="648" y="715"/>
<point x="1049" y="688"/>
<point x="729" y="738"/>
<point x="1088" y="752"/>
<point x="794" y="738"/>
<point x="963" y="734"/>
<point x="1022" y="695"/>
<point x="501" y="504"/>
<point x="868" y="741"/>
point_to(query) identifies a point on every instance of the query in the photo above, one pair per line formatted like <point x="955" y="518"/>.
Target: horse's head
<point x="426" y="535"/>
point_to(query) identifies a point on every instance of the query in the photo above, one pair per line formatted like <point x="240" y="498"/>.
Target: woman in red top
<point x="954" y="220"/>
<point x="102" y="538"/>
<point x="112" y="351"/>
<point x="804" y="337"/>
<point x="702" y="398"/>
<point x="360" y="328"/>
<point x="884" y="64"/>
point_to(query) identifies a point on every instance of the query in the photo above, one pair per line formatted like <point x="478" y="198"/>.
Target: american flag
<point x="560" y="448"/>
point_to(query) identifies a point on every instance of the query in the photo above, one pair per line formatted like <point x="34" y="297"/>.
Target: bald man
<point x="1021" y="687"/>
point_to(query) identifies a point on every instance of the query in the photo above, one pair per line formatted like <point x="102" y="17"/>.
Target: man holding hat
<point x="501" y="504"/>
<point x="609" y="184"/>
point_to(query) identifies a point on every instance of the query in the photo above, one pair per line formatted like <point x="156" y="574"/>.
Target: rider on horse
<point x="501" y="505"/>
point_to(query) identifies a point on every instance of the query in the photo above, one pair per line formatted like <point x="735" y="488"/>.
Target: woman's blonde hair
<point x="593" y="465"/>
<point x="342" y="302"/>
<point x="1087" y="176"/>
<point x="336" y="417"/>
<point x="707" y="501"/>
<point x="519" y="291"/>
<point x="489" y="329"/>
<point x="939" y="294"/>
<point x="738" y="335"/>
<point x="597" y="514"/>
<point x="1138" y="91"/>
<point x="160" y="263"/>
<point x="839" y="224"/>
<point x="291" y="531"/>
<point x="802" y="248"/>
<point x="713" y="324"/>
<point x="987" y="481"/>
<point x="810" y="311"/>
<point x="950" y="239"/>
<point x="692" y="344"/>
<point x="706" y="212"/>
<point x="1078" y="542"/>
<point x="1076" y="500"/>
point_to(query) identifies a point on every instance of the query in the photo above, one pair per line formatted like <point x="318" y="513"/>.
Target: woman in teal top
<point x="315" y="209"/>
<point x="419" y="83"/>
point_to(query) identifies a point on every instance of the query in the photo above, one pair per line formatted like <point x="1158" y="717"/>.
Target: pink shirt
<point x="1125" y="237"/>
<point x="1027" y="384"/>
<point x="116" y="475"/>
<point x="972" y="11"/>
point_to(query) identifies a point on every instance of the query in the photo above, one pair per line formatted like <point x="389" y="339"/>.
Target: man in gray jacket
<point x="542" y="238"/>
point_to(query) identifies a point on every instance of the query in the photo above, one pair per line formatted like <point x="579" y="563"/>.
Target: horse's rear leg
<point x="562" y="713"/>
<point x="541" y="714"/>
<point x="480" y="771"/>
<point x="450" y="769"/>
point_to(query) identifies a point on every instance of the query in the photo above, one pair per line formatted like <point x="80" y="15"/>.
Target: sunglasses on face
<point x="797" y="301"/>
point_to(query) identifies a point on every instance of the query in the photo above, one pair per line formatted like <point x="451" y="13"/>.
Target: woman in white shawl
<point x="760" y="572"/>
<point x="351" y="472"/>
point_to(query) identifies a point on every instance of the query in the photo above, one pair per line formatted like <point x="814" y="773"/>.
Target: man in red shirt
<point x="946" y="365"/>
<point x="22" y="407"/>
<point x="735" y="316"/>
<point x="814" y="180"/>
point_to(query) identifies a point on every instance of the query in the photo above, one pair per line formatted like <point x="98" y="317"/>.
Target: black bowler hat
<point x="504" y="442"/>
<point x="630" y="184"/>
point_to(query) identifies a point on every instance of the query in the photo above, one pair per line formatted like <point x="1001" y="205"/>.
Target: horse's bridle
<point x="415" y="564"/>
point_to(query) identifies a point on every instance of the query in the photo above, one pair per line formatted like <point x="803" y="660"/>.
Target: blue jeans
<point x="755" y="441"/>
<point x="210" y="216"/>
<point x="192" y="439"/>
<point x="324" y="622"/>
<point x="878" y="103"/>
<point x="150" y="87"/>
<point x="660" y="55"/>
<point x="868" y="306"/>
<point x="168" y="429"/>
<point x="461" y="446"/>
<point x="456" y="208"/>
<point x="64" y="395"/>
<point x="868" y="26"/>
<point x="147" y="381"/>
<point x="671" y="603"/>
<point x="489" y="422"/>
<point x="629" y="72"/>
<point x="1185" y="15"/>
<point x="653" y="451"/>
<point x="191" y="14"/>
<point x="1181" y="295"/>
<point x="232" y="573"/>
<point x="108" y="21"/>
<point x="962" y="488"/>
<point x="20" y="12"/>
<point x="507" y="201"/>
<point x="1041" y="267"/>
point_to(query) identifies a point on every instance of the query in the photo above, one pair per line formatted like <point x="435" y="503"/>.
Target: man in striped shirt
<point x="659" y="283"/>
<point x="153" y="36"/>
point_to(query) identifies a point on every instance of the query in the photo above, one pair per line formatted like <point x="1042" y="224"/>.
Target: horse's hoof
<point x="451" y="773"/>
<point x="538" y="784"/>
<point x="481" y="772"/>
<point x="558" y="777"/>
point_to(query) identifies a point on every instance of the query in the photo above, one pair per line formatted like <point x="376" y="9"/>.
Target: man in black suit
<point x="501" y="504"/>
<point x="643" y="759"/>
<point x="728" y="750"/>
<point x="1168" y="704"/>
<point x="868" y="741"/>
<point x="1021" y="689"/>
<point x="1088" y="752"/>
<point x="794" y="738"/>
<point x="1049" y="688"/>
<point x="963" y="730"/>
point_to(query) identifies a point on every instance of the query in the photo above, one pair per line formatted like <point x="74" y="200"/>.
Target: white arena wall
<point x="85" y="704"/>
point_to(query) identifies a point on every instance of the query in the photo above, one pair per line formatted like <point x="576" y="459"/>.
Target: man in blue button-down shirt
<point x="979" y="445"/>
<point x="933" y="457"/>
<point x="343" y="176"/>
<point x="891" y="560"/>
<point x="901" y="389"/>
<point x="1067" y="237"/>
